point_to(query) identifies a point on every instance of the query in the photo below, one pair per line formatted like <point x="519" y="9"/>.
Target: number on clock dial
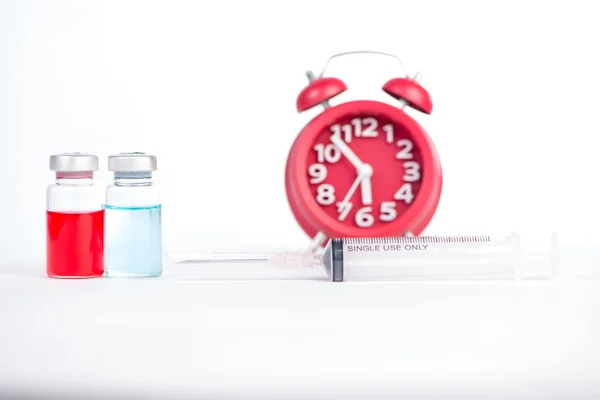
<point x="391" y="154"/>
<point x="358" y="127"/>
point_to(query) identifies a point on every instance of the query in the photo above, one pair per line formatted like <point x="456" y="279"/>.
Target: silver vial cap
<point x="132" y="162"/>
<point x="73" y="162"/>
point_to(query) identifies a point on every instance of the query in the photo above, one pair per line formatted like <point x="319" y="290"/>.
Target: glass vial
<point x="74" y="218"/>
<point x="132" y="218"/>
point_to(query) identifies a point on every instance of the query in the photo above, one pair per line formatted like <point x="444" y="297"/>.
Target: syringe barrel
<point x="439" y="258"/>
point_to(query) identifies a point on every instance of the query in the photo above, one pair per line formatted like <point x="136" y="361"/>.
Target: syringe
<point x="407" y="258"/>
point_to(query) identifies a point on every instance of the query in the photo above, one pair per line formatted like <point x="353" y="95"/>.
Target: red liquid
<point x="75" y="244"/>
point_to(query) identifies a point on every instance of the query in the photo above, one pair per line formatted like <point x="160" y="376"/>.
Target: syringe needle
<point x="285" y="259"/>
<point x="222" y="260"/>
<point x="202" y="258"/>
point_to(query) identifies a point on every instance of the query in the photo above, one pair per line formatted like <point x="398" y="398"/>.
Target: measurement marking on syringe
<point x="419" y="239"/>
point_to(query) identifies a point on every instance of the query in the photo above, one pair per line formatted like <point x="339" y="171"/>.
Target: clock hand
<point x="351" y="191"/>
<point x="343" y="206"/>
<point x="366" y="192"/>
<point x="364" y="173"/>
<point x="349" y="154"/>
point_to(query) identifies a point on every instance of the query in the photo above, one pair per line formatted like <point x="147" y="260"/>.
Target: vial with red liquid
<point x="74" y="218"/>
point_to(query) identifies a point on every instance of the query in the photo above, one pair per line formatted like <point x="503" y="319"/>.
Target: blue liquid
<point x="132" y="241"/>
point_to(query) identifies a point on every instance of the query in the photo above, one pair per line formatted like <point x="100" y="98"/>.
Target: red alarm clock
<point x="363" y="168"/>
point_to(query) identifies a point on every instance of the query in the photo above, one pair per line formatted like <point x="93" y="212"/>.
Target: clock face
<point x="364" y="170"/>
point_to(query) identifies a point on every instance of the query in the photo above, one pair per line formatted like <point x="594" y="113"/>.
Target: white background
<point x="210" y="88"/>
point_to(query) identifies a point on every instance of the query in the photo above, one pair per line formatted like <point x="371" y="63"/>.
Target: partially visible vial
<point x="132" y="218"/>
<point x="74" y="218"/>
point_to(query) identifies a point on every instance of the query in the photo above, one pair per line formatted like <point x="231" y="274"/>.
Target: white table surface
<point x="178" y="337"/>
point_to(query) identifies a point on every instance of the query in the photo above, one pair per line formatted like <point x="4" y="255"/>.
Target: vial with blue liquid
<point x="132" y="218"/>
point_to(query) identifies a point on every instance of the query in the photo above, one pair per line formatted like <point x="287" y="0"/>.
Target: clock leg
<point x="317" y="241"/>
